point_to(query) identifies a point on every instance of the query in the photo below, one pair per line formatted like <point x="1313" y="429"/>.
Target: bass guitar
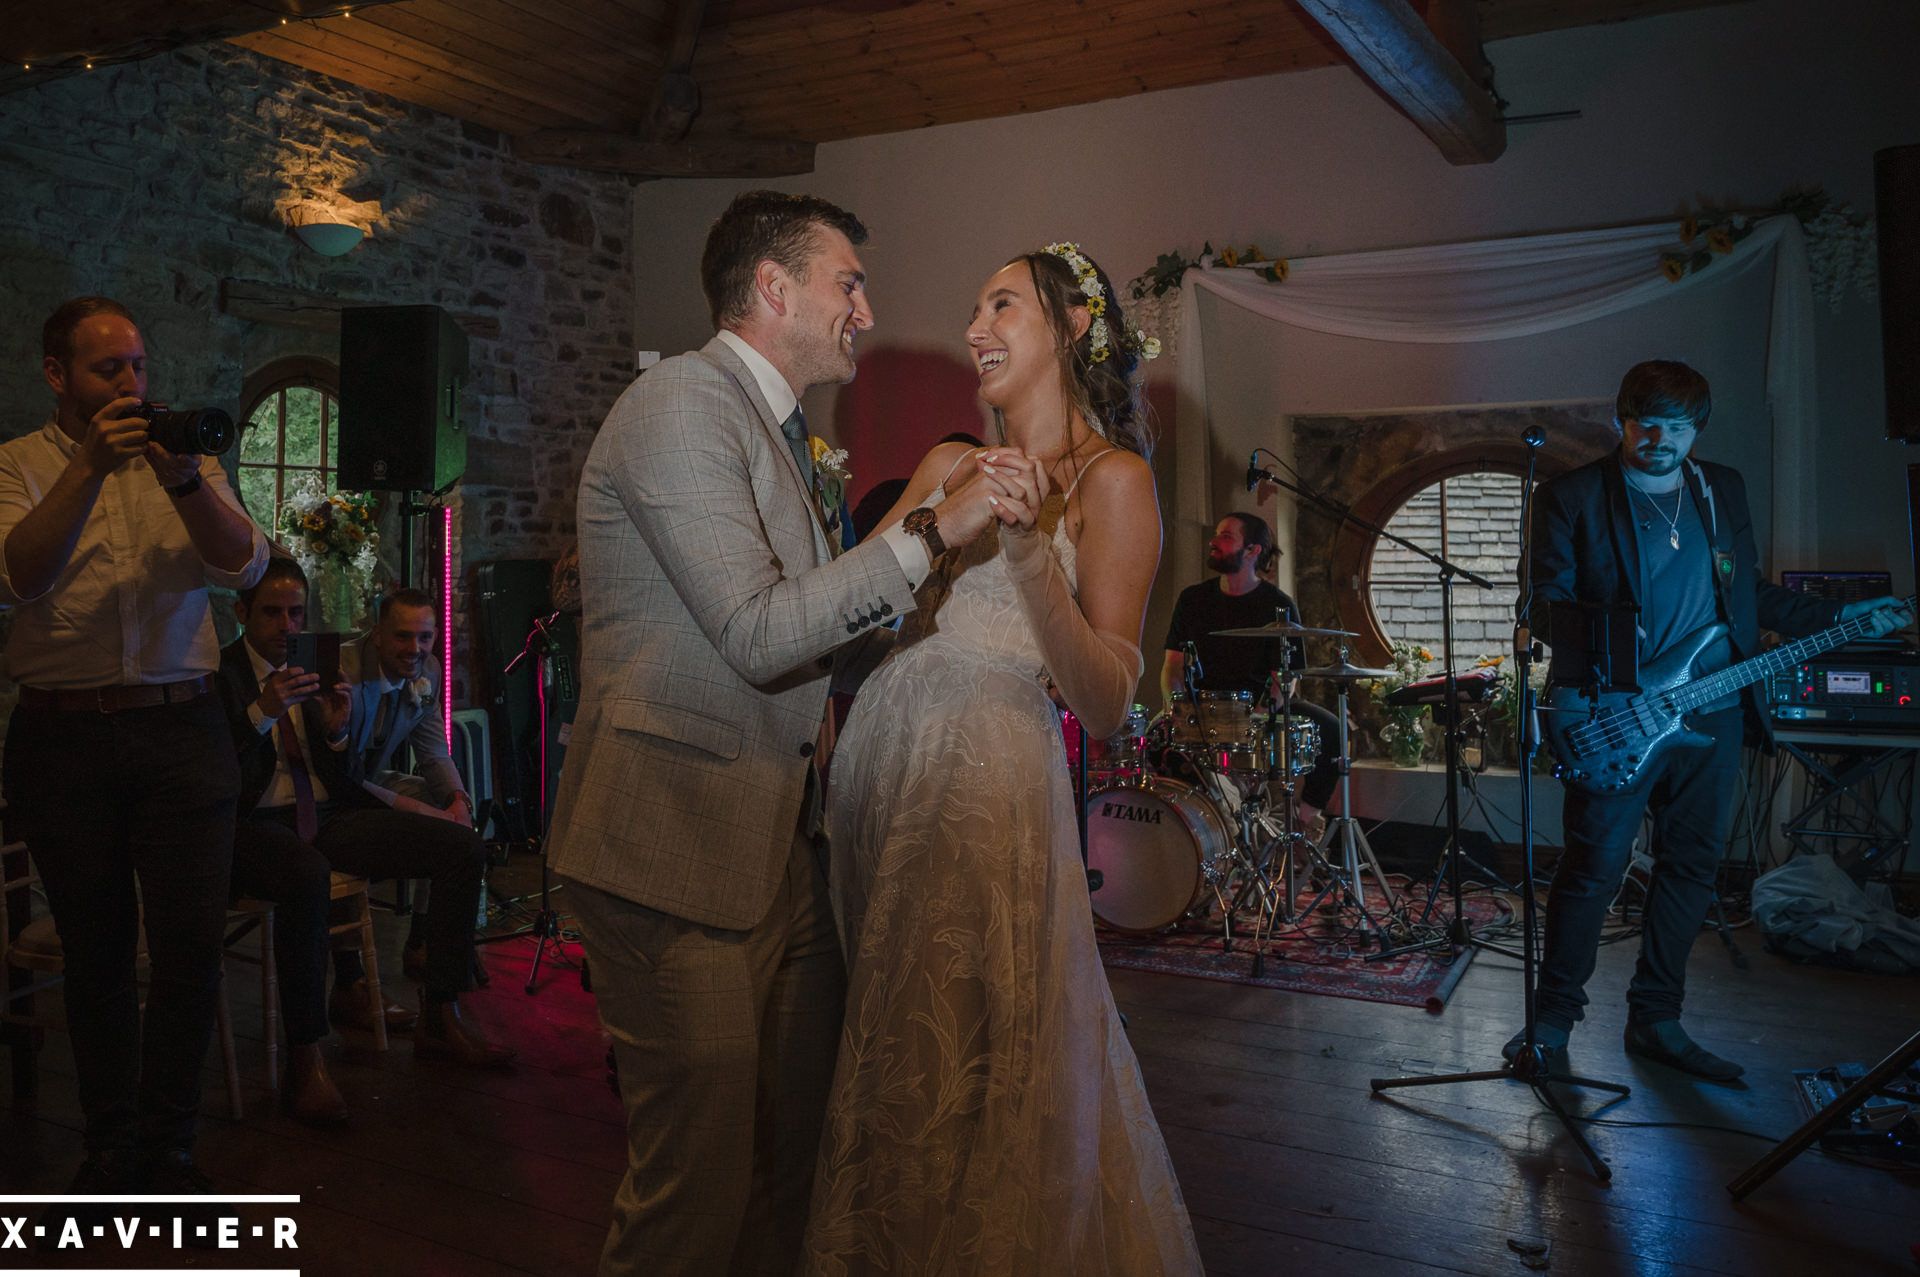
<point x="1607" y="745"/>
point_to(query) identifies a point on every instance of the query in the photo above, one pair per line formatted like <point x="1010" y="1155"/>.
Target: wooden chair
<point x="32" y="961"/>
<point x="352" y="887"/>
<point x="255" y="917"/>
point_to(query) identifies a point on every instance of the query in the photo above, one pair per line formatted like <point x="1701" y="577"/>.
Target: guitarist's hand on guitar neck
<point x="1887" y="615"/>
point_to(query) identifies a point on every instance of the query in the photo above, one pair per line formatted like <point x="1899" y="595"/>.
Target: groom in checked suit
<point x="687" y="812"/>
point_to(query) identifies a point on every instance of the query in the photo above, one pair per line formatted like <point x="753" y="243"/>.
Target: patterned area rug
<point x="1324" y="955"/>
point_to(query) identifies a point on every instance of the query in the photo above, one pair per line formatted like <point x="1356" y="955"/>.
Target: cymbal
<point x="1281" y="629"/>
<point x="1345" y="671"/>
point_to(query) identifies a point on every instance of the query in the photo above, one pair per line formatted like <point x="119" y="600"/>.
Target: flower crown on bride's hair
<point x="1100" y="346"/>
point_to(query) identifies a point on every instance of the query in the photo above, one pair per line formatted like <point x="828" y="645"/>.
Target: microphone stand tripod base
<point x="1529" y="1066"/>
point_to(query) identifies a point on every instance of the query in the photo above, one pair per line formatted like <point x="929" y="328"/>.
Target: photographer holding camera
<point x="117" y="761"/>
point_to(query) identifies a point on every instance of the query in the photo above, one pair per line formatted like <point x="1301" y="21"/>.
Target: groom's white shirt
<point x="906" y="547"/>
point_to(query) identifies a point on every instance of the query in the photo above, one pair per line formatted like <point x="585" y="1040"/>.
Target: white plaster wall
<point x="1729" y="104"/>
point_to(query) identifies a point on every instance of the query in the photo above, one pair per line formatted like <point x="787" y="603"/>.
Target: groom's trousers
<point x="725" y="1042"/>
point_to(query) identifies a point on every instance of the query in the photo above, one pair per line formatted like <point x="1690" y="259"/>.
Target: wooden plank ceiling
<point x="797" y="70"/>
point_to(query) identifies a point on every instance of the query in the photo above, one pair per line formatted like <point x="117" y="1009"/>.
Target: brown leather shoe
<point x="310" y="1095"/>
<point x="444" y="1035"/>
<point x="349" y="1009"/>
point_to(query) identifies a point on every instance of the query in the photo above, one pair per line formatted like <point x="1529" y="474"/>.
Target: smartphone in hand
<point x="316" y="654"/>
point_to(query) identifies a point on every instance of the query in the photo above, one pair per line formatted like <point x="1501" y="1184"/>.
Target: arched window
<point x="291" y="430"/>
<point x="1471" y="517"/>
<point x="1461" y="503"/>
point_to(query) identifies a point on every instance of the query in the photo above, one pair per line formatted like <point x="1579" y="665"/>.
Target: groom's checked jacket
<point x="713" y="612"/>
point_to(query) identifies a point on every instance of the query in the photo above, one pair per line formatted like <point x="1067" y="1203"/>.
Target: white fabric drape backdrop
<point x="1492" y="290"/>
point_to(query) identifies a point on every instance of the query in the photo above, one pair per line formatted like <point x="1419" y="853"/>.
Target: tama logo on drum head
<point x="1127" y="811"/>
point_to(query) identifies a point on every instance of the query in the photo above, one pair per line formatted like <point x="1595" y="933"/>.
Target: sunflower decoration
<point x="335" y="537"/>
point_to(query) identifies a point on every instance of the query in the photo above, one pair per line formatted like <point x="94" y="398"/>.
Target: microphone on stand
<point x="1194" y="669"/>
<point x="1534" y="437"/>
<point x="1254" y="472"/>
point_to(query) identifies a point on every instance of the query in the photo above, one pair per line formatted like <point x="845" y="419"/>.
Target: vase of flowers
<point x="336" y="541"/>
<point x="1403" y="728"/>
<point x="1504" y="711"/>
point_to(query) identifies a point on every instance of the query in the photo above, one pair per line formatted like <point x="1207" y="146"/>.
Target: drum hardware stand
<point x="1459" y="932"/>
<point x="1343" y="854"/>
<point x="1276" y="775"/>
<point x="545" y="928"/>
<point x="1257" y="858"/>
<point x="1277" y="905"/>
<point x="1529" y="1065"/>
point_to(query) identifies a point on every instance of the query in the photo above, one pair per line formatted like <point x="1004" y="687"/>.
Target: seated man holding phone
<point x="304" y="812"/>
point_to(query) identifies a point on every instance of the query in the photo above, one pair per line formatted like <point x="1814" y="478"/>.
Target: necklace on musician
<point x="1672" y="521"/>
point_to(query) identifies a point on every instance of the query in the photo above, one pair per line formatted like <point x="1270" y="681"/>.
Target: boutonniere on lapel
<point x="830" y="479"/>
<point x="416" y="690"/>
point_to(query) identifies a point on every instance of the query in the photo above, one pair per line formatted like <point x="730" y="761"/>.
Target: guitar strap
<point x="1720" y="542"/>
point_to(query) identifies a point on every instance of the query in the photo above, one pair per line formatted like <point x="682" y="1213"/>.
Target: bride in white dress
<point x="987" y="1114"/>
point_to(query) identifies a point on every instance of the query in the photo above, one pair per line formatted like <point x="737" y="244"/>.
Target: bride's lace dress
<point x="987" y="1114"/>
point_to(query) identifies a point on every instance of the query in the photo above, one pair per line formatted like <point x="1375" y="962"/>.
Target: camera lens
<point x="189" y="431"/>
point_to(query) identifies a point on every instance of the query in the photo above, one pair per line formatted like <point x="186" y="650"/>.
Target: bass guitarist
<point x="1648" y="526"/>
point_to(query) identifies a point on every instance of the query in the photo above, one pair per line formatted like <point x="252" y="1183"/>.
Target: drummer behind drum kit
<point x="1191" y="811"/>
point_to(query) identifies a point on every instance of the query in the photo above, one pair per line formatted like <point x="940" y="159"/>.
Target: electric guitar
<point x="1606" y="746"/>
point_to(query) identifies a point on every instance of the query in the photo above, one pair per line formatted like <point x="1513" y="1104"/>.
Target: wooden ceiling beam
<point x="637" y="157"/>
<point x="1404" y="60"/>
<point x="42" y="42"/>
<point x="676" y="95"/>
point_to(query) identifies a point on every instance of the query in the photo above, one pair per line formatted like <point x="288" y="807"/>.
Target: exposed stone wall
<point x="156" y="181"/>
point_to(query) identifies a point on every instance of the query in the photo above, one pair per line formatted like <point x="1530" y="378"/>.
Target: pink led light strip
<point x="446" y="622"/>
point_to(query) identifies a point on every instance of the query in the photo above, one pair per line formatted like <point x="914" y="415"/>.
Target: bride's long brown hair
<point x="1107" y="393"/>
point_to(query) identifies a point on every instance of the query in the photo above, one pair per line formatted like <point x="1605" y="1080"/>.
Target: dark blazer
<point x="1586" y="550"/>
<point x="238" y="688"/>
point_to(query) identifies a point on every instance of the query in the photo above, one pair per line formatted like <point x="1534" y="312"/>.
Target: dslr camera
<point x="187" y="431"/>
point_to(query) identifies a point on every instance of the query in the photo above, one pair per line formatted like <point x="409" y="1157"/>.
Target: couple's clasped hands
<point x="1010" y="488"/>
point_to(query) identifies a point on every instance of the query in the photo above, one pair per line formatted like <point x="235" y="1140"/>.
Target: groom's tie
<point x="795" y="429"/>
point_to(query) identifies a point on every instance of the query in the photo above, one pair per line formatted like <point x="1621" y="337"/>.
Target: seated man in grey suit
<point x="397" y="702"/>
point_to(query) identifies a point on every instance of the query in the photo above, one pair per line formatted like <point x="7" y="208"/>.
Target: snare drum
<point x="1156" y="845"/>
<point x="1221" y="731"/>
<point x="1215" y="720"/>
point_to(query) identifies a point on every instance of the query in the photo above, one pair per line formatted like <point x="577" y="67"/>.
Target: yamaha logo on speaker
<point x="1122" y="811"/>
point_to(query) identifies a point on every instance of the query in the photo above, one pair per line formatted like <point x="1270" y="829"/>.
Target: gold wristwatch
<point x="922" y="524"/>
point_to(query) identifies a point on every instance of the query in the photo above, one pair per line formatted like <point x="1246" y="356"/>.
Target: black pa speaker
<point x="401" y="373"/>
<point x="1896" y="207"/>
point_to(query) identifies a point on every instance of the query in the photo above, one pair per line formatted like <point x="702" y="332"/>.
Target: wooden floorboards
<point x="1289" y="1163"/>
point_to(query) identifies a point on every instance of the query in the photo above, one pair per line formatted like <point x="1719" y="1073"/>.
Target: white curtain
<point x="1493" y="290"/>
